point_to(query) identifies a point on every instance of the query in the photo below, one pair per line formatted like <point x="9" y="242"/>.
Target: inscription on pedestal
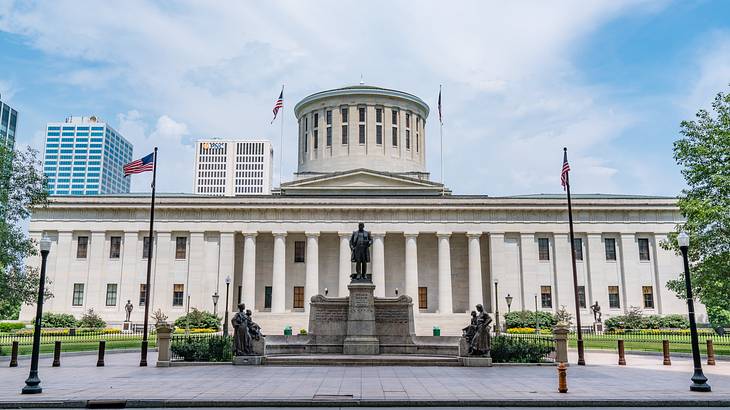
<point x="327" y="314"/>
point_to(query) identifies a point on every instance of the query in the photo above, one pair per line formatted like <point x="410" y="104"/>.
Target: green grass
<point x="78" y="343"/>
<point x="606" y="342"/>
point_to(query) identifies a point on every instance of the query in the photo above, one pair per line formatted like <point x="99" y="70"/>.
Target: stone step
<point x="362" y="360"/>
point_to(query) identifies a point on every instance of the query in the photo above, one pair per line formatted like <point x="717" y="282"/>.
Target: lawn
<point x="74" y="343"/>
<point x="651" y="344"/>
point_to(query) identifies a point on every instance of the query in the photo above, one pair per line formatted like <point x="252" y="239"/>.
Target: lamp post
<point x="508" y="299"/>
<point x="215" y="303"/>
<point x="33" y="383"/>
<point x="496" y="307"/>
<point x="225" y="318"/>
<point x="699" y="381"/>
<point x="537" y="317"/>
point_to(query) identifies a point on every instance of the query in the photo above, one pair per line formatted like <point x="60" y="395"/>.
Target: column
<point x="475" y="269"/>
<point x="278" y="277"/>
<point x="311" y="268"/>
<point x="95" y="292"/>
<point x="345" y="263"/>
<point x="445" y="305"/>
<point x="529" y="263"/>
<point x="378" y="264"/>
<point x="226" y="257"/>
<point x="563" y="289"/>
<point x="597" y="289"/>
<point x="199" y="298"/>
<point x="161" y="284"/>
<point x="412" y="268"/>
<point x="248" y="282"/>
<point x="61" y="277"/>
<point x="129" y="282"/>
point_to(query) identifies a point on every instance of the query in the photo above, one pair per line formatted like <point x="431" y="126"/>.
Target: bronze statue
<point x="254" y="330"/>
<point x="480" y="344"/>
<point x="128" y="307"/>
<point x="596" y="312"/>
<point x="468" y="332"/>
<point x="360" y="243"/>
<point x="242" y="342"/>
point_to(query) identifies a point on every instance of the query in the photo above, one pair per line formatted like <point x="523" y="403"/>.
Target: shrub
<point x="199" y="319"/>
<point x="526" y="318"/>
<point x="194" y="330"/>
<point x="507" y="349"/>
<point x="303" y="332"/>
<point x="58" y="320"/>
<point x="564" y="316"/>
<point x="91" y="320"/>
<point x="674" y="322"/>
<point x="529" y="331"/>
<point x="203" y="349"/>
<point x="10" y="326"/>
<point x="635" y="320"/>
<point x="719" y="318"/>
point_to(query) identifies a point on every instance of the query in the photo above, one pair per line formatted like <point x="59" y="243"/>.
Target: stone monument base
<point x="248" y="360"/>
<point x="361" y="345"/>
<point x="476" y="361"/>
<point x="126" y="326"/>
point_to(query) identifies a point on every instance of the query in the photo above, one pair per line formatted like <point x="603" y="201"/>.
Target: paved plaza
<point x="645" y="381"/>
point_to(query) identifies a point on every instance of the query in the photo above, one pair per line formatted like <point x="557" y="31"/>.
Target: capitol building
<point x="361" y="157"/>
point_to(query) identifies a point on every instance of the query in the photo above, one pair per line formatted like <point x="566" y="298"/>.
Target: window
<point x="344" y="134"/>
<point x="298" y="297"/>
<point x="578" y="245"/>
<point x="343" y="115"/>
<point x="610" y="244"/>
<point x="267" y="297"/>
<point x="361" y="113"/>
<point x="329" y="136"/>
<point x="546" y="297"/>
<point x="299" y="249"/>
<point x="142" y="294"/>
<point x="613" y="298"/>
<point x="422" y="297"/>
<point x="379" y="126"/>
<point x="643" y="249"/>
<point x="344" y="112"/>
<point x="180" y="247"/>
<point x="648" y="293"/>
<point x="146" y="247"/>
<point x="328" y="117"/>
<point x="361" y="135"/>
<point x="316" y="138"/>
<point x="361" y="117"/>
<point x="111" y="294"/>
<point x="543" y="247"/>
<point x="178" y="291"/>
<point x="582" y="297"/>
<point x="115" y="248"/>
<point x="78" y="296"/>
<point x="82" y="247"/>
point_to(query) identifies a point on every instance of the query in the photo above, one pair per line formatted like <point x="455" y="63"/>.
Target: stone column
<point x="311" y="275"/>
<point x="226" y="261"/>
<point x="412" y="268"/>
<point x="278" y="276"/>
<point x="196" y="272"/>
<point x="561" y="342"/>
<point x="475" y="270"/>
<point x="378" y="264"/>
<point x="345" y="263"/>
<point x="445" y="305"/>
<point x="248" y="281"/>
<point x="164" y="353"/>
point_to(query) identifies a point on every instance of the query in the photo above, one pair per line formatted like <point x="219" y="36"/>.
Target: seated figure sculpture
<point x="480" y="342"/>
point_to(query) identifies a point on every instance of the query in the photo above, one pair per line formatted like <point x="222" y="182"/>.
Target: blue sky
<point x="611" y="80"/>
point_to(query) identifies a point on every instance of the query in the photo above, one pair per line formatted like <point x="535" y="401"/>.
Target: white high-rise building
<point x="233" y="167"/>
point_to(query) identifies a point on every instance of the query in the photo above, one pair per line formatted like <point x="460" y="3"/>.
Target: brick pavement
<point x="644" y="380"/>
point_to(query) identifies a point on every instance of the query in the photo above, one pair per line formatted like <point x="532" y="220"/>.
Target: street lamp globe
<point x="215" y="297"/>
<point x="508" y="299"/>
<point x="228" y="280"/>
<point x="45" y="243"/>
<point x="683" y="239"/>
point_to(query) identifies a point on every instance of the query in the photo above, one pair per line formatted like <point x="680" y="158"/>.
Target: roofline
<point x="356" y="90"/>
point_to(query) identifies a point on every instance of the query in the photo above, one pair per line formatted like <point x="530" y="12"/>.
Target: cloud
<point x="712" y="72"/>
<point x="214" y="69"/>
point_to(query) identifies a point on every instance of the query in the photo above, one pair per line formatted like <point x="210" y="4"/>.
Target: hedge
<point x="199" y="319"/>
<point x="638" y="321"/>
<point x="506" y="349"/>
<point x="526" y="318"/>
<point x="10" y="326"/>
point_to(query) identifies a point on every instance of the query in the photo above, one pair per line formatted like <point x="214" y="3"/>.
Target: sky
<point x="610" y="80"/>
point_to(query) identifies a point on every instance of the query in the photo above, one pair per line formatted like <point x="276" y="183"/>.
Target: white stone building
<point x="228" y="167"/>
<point x="446" y="251"/>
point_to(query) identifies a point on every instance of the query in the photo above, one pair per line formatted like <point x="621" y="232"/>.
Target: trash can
<point x="436" y="331"/>
<point x="287" y="331"/>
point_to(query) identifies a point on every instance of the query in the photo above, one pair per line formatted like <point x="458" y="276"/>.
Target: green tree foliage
<point x="199" y="319"/>
<point x="526" y="318"/>
<point x="22" y="188"/>
<point x="703" y="152"/>
<point x="65" y="320"/>
<point x="91" y="320"/>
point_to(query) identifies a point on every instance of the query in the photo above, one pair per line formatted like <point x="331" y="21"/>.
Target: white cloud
<point x="510" y="88"/>
<point x="712" y="73"/>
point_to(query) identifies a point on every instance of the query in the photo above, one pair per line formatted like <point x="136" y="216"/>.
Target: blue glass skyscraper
<point x="8" y="123"/>
<point x="85" y="156"/>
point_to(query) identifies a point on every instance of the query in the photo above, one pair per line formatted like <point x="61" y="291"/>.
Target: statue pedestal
<point x="361" y="333"/>
<point x="598" y="327"/>
<point x="476" y="361"/>
<point x="126" y="326"/>
<point x="248" y="360"/>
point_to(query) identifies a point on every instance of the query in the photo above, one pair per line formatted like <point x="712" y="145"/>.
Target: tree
<point x="704" y="155"/>
<point x="22" y="188"/>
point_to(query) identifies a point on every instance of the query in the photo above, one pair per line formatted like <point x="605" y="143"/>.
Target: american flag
<point x="566" y="169"/>
<point x="145" y="164"/>
<point x="279" y="104"/>
<point x="440" y="118"/>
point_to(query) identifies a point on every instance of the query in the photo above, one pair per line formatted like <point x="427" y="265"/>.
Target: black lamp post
<point x="33" y="383"/>
<point x="225" y="319"/>
<point x="215" y="303"/>
<point x="699" y="381"/>
<point x="496" y="307"/>
<point x="508" y="299"/>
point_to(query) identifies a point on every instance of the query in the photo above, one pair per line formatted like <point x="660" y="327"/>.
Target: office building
<point x="233" y="167"/>
<point x="8" y="124"/>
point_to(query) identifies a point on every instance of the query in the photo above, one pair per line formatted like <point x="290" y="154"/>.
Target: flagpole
<point x="281" y="142"/>
<point x="441" y="134"/>
<point x="579" y="331"/>
<point x="143" y="358"/>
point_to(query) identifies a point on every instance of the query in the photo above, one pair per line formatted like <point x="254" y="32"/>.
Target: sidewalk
<point x="645" y="381"/>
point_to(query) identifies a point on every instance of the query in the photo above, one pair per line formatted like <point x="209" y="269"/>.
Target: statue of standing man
<point x="360" y="242"/>
<point x="128" y="307"/>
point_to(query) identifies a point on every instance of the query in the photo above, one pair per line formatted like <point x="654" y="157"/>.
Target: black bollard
<point x="102" y="348"/>
<point x="57" y="354"/>
<point x="14" y="354"/>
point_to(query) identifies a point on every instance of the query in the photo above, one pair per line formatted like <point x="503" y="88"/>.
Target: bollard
<point x="102" y="348"/>
<point x="57" y="354"/>
<point x="621" y="353"/>
<point x="14" y="354"/>
<point x="710" y="353"/>
<point x="562" y="378"/>
<point x="665" y="350"/>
